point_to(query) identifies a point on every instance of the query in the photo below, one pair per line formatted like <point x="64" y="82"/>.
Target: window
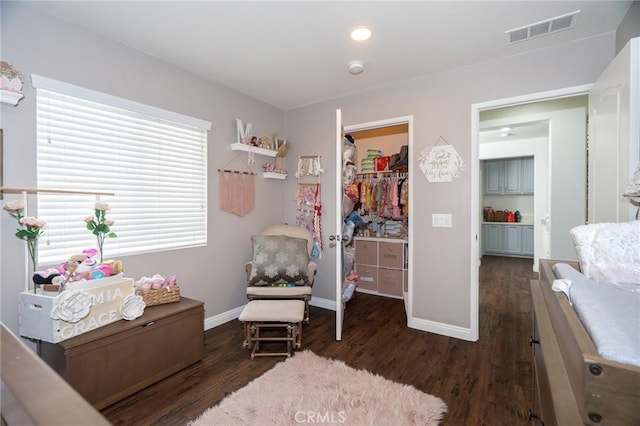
<point x="153" y="161"/>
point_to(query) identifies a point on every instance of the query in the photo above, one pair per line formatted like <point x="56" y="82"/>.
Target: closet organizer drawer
<point x="390" y="255"/>
<point x="390" y="281"/>
<point x="367" y="252"/>
<point x="367" y="277"/>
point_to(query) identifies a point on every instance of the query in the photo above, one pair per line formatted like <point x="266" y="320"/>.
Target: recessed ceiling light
<point x="505" y="129"/>
<point x="360" y="33"/>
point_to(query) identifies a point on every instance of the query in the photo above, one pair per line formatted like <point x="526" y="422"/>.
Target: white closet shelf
<point x="10" y="98"/>
<point x="271" y="175"/>
<point x="256" y="150"/>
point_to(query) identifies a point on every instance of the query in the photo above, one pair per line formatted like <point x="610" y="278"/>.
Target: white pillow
<point x="609" y="252"/>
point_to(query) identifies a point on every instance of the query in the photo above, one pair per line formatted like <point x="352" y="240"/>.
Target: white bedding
<point x="610" y="314"/>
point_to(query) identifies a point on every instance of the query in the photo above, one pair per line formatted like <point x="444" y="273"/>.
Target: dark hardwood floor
<point x="488" y="382"/>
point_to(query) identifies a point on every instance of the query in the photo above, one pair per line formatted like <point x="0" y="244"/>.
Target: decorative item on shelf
<point x="158" y="290"/>
<point x="30" y="230"/>
<point x="10" y="84"/>
<point x="82" y="267"/>
<point x="309" y="165"/>
<point x="243" y="133"/>
<point x="274" y="169"/>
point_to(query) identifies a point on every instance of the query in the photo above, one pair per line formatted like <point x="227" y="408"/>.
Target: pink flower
<point x="108" y="222"/>
<point x="88" y="219"/>
<point x="101" y="205"/>
<point x="14" y="206"/>
<point x="32" y="222"/>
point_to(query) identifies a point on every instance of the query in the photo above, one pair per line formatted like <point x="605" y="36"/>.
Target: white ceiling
<point x="295" y="53"/>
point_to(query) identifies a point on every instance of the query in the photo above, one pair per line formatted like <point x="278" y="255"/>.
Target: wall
<point x="629" y="27"/>
<point x="441" y="105"/>
<point x="36" y="43"/>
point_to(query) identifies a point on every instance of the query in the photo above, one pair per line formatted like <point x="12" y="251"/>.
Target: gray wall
<point x="36" y="43"/>
<point x="629" y="27"/>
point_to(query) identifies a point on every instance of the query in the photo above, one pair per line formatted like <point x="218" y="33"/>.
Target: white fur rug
<point x="310" y="389"/>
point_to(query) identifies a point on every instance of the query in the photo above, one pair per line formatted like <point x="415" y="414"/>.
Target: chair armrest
<point x="312" y="268"/>
<point x="247" y="268"/>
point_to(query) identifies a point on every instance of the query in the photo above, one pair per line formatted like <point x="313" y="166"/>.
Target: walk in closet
<point x="376" y="200"/>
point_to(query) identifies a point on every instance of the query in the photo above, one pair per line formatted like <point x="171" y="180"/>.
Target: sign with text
<point x="83" y="307"/>
<point x="441" y="163"/>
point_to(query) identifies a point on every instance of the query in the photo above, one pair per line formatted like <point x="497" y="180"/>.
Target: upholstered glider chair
<point x="281" y="267"/>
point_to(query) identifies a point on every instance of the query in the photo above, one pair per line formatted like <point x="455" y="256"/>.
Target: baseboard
<point x="323" y="303"/>
<point x="442" y="329"/>
<point x="222" y="318"/>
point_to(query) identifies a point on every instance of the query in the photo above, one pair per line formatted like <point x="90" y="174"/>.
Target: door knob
<point x="332" y="237"/>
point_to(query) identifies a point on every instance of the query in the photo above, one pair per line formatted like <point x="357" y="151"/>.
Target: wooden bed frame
<point x="573" y="385"/>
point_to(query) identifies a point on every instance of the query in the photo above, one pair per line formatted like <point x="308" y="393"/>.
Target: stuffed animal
<point x="84" y="266"/>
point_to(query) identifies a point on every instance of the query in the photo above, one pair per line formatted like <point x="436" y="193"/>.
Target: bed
<point x="575" y="382"/>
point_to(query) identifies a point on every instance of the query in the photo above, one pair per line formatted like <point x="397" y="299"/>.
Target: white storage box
<point x="82" y="307"/>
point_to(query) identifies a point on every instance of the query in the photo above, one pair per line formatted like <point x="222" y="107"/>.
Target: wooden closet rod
<point x="310" y="156"/>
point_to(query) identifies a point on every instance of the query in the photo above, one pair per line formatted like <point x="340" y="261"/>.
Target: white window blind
<point x="154" y="161"/>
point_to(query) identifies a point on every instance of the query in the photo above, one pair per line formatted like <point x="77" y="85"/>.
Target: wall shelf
<point x="271" y="175"/>
<point x="255" y="149"/>
<point x="10" y="98"/>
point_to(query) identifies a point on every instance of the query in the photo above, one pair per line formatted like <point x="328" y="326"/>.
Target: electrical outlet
<point x="441" y="220"/>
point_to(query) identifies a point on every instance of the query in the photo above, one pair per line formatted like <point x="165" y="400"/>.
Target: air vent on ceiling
<point x="538" y="29"/>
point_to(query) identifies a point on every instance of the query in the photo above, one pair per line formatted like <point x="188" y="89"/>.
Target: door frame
<point x="475" y="178"/>
<point x="408" y="120"/>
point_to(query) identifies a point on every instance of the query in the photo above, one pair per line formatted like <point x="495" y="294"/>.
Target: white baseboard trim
<point x="418" y="324"/>
<point x="442" y="329"/>
<point x="323" y="303"/>
<point x="222" y="318"/>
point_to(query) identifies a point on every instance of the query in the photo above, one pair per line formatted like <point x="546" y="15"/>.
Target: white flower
<point x="72" y="306"/>
<point x="132" y="307"/>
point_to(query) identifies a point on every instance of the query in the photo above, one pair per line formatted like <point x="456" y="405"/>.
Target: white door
<point x="339" y="221"/>
<point x="614" y="136"/>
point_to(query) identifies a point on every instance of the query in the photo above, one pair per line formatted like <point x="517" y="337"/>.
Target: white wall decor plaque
<point x="441" y="163"/>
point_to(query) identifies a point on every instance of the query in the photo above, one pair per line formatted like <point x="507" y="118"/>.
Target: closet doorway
<point x="384" y="239"/>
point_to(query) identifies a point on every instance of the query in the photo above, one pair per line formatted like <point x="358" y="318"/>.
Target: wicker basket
<point x="500" y="216"/>
<point x="160" y="296"/>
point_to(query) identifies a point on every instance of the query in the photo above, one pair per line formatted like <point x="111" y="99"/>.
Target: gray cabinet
<point x="511" y="176"/>
<point x="492" y="238"/>
<point x="527" y="175"/>
<point x="527" y="241"/>
<point x="512" y="239"/>
<point x="508" y="240"/>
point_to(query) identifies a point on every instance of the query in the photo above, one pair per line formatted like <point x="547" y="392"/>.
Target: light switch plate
<point x="441" y="220"/>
